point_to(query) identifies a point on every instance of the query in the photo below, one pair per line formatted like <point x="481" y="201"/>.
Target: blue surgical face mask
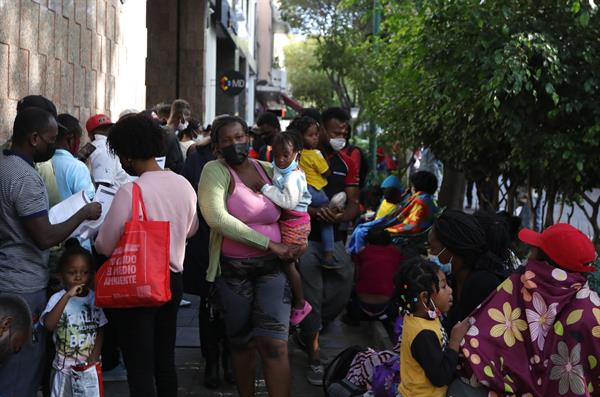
<point x="444" y="267"/>
<point x="284" y="171"/>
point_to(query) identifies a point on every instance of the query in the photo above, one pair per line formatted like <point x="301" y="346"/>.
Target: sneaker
<point x="314" y="374"/>
<point x="184" y="303"/>
<point x="117" y="374"/>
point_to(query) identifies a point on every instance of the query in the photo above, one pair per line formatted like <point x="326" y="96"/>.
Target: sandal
<point x="300" y="314"/>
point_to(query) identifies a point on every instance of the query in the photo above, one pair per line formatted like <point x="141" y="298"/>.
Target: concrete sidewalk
<point x="190" y="365"/>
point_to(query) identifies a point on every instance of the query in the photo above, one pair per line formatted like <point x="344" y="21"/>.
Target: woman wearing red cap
<point x="539" y="334"/>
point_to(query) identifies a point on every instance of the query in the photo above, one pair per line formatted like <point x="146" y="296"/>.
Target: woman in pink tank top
<point x="255" y="210"/>
<point x="252" y="288"/>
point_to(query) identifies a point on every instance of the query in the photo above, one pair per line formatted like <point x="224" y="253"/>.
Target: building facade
<point x="86" y="56"/>
<point x="104" y="56"/>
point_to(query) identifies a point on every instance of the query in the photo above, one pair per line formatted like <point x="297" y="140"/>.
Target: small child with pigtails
<point x="428" y="358"/>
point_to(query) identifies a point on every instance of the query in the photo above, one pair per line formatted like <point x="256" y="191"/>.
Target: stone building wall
<point x="87" y="56"/>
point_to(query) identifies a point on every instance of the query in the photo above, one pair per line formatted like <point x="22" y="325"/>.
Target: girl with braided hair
<point x="457" y="241"/>
<point x="428" y="358"/>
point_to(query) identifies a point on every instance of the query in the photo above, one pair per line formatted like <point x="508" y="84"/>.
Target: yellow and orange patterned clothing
<point x="415" y="216"/>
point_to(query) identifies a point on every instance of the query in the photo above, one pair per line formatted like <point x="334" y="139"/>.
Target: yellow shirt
<point x="385" y="208"/>
<point x="46" y="170"/>
<point x="314" y="166"/>
<point x="413" y="381"/>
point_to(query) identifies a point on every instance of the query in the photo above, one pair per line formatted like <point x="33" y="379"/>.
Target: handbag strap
<point x="137" y="202"/>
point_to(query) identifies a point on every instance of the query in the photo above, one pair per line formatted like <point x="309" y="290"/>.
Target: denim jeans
<point x="319" y="198"/>
<point x="327" y="290"/>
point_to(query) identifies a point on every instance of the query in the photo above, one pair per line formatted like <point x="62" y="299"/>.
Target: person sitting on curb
<point x="540" y="331"/>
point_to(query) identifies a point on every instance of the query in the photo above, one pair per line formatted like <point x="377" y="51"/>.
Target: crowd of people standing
<point x="262" y="228"/>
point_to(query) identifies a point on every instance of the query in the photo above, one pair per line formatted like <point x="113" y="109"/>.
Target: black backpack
<point x="363" y="171"/>
<point x="334" y="382"/>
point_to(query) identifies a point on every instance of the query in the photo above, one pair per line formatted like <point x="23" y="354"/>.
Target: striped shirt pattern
<point x="23" y="266"/>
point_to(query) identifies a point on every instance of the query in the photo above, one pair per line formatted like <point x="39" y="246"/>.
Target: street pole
<point x="372" y="126"/>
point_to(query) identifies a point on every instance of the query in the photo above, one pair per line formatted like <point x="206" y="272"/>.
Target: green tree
<point x="495" y="88"/>
<point x="338" y="27"/>
<point x="308" y="82"/>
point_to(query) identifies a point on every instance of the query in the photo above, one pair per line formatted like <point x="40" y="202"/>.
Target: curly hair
<point x="313" y="113"/>
<point x="137" y="137"/>
<point x="290" y="137"/>
<point x="73" y="249"/>
<point x="302" y="124"/>
<point x="416" y="275"/>
<point x="424" y="181"/>
<point x="28" y="121"/>
<point x="222" y="121"/>
<point x="73" y="128"/>
<point x="335" y="113"/>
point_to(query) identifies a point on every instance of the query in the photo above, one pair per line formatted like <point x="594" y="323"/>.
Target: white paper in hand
<point x="104" y="196"/>
<point x="67" y="208"/>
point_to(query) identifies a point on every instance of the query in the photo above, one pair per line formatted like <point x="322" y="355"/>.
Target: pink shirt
<point x="256" y="211"/>
<point x="167" y="197"/>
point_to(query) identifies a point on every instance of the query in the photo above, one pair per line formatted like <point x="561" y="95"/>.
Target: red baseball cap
<point x="567" y="246"/>
<point x="97" y="121"/>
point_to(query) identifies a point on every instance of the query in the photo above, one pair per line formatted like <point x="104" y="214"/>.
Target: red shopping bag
<point x="137" y="273"/>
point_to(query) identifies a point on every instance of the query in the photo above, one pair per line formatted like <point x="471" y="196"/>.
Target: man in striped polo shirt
<point x="26" y="233"/>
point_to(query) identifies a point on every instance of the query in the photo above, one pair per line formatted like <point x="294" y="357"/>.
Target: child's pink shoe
<point x="299" y="314"/>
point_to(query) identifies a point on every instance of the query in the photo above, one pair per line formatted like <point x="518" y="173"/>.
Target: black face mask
<point x="47" y="155"/>
<point x="236" y="154"/>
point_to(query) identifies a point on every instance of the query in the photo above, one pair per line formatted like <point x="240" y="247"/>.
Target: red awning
<point x="292" y="103"/>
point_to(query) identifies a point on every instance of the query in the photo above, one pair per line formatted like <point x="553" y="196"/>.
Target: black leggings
<point x="147" y="340"/>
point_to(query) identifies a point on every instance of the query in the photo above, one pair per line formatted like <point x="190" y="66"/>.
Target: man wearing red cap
<point x="539" y="334"/>
<point x="106" y="167"/>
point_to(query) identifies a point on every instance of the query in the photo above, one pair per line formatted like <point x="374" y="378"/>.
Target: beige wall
<point x="87" y="56"/>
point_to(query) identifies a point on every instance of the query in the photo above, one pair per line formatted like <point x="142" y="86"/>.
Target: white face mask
<point x="182" y="126"/>
<point x="337" y="144"/>
<point x="202" y="140"/>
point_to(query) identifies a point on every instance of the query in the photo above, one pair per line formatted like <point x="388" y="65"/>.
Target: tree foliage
<point x="308" y="83"/>
<point x="338" y="28"/>
<point x="495" y="88"/>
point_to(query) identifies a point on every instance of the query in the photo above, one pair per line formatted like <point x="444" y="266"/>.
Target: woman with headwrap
<point x="539" y="333"/>
<point x="457" y="241"/>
